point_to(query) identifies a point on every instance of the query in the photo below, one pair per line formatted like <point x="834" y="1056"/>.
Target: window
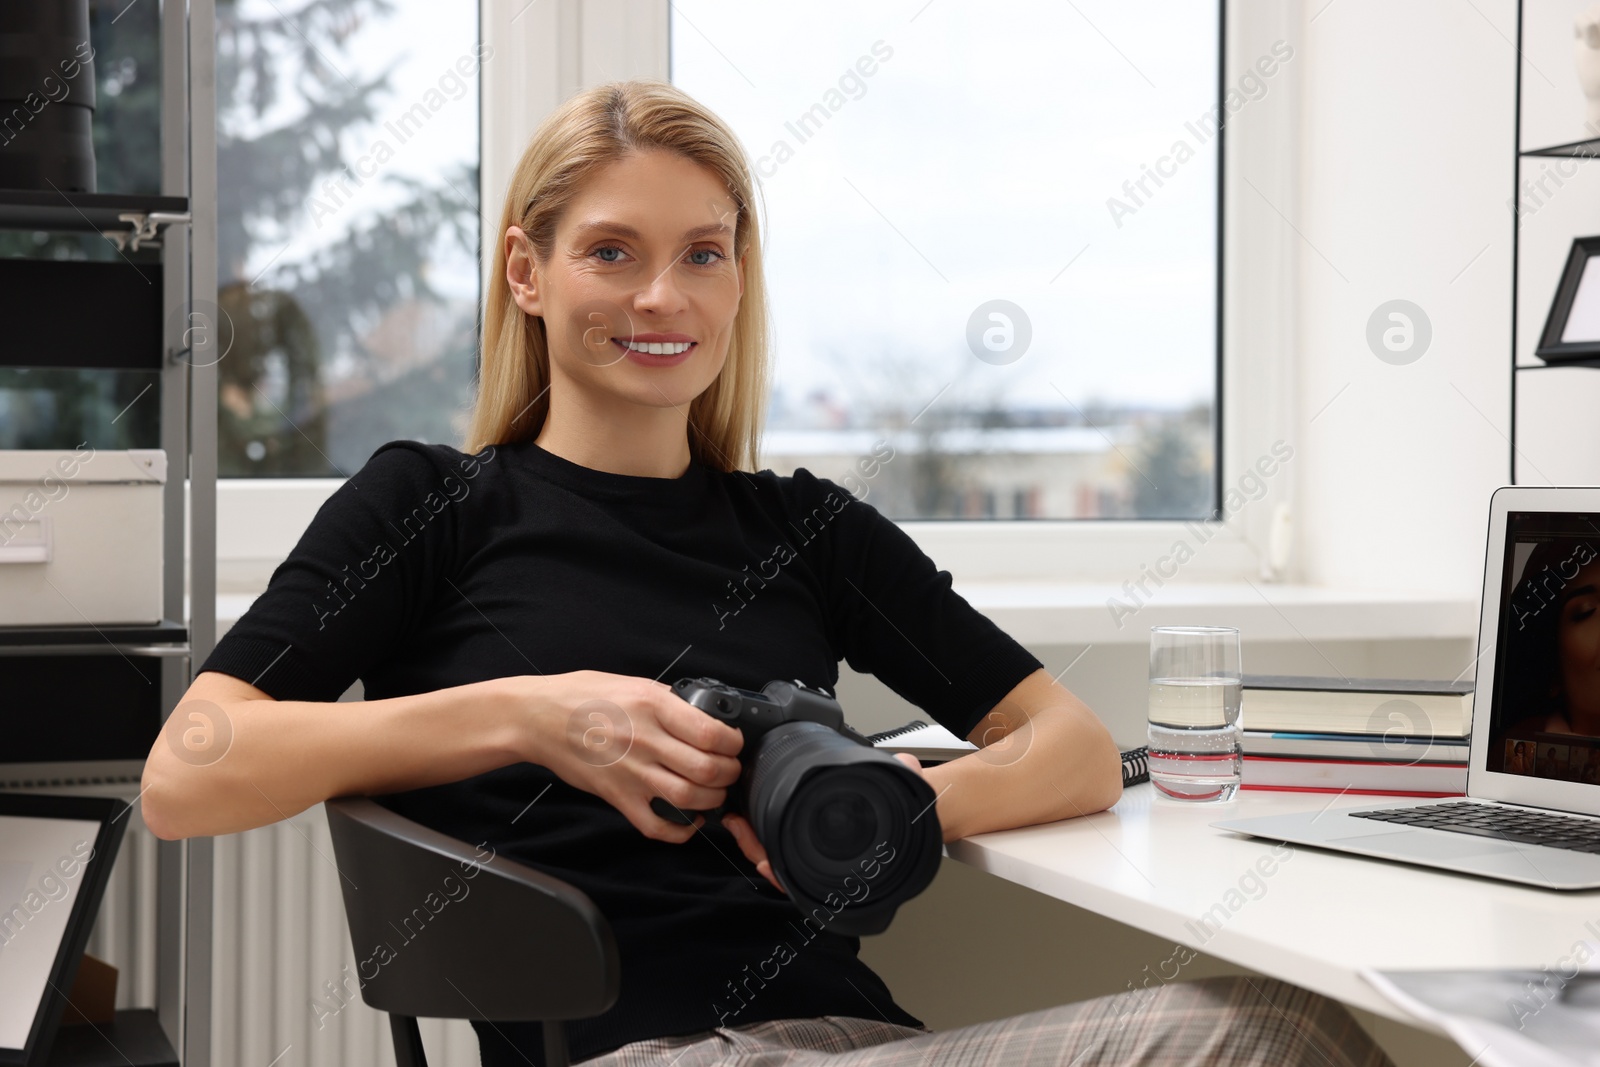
<point x="992" y="246"/>
<point x="347" y="173"/>
<point x="347" y="160"/>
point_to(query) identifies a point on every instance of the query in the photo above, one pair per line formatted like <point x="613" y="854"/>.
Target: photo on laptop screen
<point x="1546" y="709"/>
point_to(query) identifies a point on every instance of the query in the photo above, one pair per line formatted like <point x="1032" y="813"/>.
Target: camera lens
<point x="882" y="807"/>
<point x="842" y="827"/>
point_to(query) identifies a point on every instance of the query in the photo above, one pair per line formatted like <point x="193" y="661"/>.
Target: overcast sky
<point x="976" y="165"/>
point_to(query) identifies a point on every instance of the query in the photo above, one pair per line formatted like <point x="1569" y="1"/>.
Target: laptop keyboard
<point x="1503" y="824"/>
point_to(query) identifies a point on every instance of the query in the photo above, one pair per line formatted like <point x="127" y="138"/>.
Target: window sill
<point x="1043" y="613"/>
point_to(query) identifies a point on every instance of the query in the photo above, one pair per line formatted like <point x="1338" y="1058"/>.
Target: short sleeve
<point x="896" y="616"/>
<point x="359" y="579"/>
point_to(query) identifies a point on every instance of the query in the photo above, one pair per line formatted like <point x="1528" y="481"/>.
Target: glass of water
<point x="1195" y="684"/>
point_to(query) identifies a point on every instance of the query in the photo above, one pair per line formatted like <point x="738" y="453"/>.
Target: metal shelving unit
<point x="182" y="222"/>
<point x="1525" y="165"/>
<point x="26" y="209"/>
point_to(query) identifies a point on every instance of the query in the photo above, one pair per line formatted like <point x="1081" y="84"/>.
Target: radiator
<point x="281" y="953"/>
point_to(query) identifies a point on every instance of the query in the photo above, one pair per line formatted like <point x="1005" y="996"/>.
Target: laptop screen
<point x="1545" y="721"/>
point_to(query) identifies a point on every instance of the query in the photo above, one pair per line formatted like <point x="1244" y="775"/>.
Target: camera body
<point x="776" y="704"/>
<point x="850" y="830"/>
<point x="755" y="715"/>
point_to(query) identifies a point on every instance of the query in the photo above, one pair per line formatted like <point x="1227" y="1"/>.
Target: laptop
<point x="1531" y="813"/>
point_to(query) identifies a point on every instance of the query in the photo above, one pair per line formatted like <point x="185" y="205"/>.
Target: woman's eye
<point x="717" y="257"/>
<point x="1580" y="610"/>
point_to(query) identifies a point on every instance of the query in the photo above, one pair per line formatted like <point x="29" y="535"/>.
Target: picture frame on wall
<point x="1572" y="329"/>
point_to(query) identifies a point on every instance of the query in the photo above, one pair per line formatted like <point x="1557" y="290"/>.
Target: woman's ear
<point x="521" y="272"/>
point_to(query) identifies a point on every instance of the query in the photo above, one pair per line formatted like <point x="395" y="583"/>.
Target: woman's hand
<point x="745" y="834"/>
<point x="628" y="740"/>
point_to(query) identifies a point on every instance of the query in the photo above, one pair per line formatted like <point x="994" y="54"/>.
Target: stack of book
<point x="1356" y="735"/>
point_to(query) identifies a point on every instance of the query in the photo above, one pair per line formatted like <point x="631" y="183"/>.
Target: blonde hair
<point x="590" y="130"/>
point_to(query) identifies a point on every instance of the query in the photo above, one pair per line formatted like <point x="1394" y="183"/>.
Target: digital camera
<point x="851" y="831"/>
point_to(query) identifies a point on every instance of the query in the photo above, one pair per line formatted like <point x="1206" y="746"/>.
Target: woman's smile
<point x="656" y="349"/>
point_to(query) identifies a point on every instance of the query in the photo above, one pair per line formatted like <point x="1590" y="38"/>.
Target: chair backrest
<point x="442" y="930"/>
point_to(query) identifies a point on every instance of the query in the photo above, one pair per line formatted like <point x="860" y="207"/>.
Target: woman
<point x="1552" y="674"/>
<point x="516" y="610"/>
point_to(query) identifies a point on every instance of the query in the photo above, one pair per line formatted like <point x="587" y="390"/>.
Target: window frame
<point x="542" y="52"/>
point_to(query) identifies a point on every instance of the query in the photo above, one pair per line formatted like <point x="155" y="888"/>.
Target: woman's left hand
<point x="745" y="835"/>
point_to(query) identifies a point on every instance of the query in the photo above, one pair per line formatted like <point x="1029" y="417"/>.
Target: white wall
<point x="1406" y="139"/>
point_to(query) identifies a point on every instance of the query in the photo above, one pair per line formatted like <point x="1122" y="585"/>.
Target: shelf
<point x="1589" y="149"/>
<point x="134" y="1040"/>
<point x="1591" y="363"/>
<point x="166" y="632"/>
<point x="30" y="209"/>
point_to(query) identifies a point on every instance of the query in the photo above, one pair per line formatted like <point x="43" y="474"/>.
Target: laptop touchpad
<point x="1425" y="846"/>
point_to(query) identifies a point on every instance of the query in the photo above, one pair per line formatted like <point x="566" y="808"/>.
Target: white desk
<point x="1157" y="864"/>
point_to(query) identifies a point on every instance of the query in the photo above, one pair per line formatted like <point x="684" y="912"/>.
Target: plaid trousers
<point x="1230" y="1020"/>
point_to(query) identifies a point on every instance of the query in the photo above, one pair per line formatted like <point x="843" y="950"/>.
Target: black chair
<point x="466" y="937"/>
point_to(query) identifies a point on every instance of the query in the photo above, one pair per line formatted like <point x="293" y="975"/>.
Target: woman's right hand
<point x="628" y="739"/>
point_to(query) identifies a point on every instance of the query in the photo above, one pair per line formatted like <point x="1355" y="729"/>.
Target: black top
<point x="431" y="568"/>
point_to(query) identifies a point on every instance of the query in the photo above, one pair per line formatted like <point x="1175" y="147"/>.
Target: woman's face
<point x="643" y="256"/>
<point x="1578" y="644"/>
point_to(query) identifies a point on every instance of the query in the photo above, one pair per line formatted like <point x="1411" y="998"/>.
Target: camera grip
<point x="672" y="813"/>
